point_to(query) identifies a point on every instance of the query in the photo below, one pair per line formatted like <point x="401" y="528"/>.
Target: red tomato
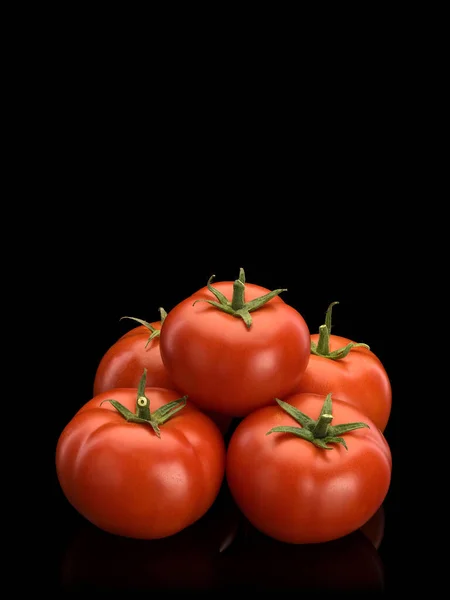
<point x="128" y="481"/>
<point x="359" y="377"/>
<point x="290" y="486"/>
<point x="230" y="360"/>
<point x="122" y="365"/>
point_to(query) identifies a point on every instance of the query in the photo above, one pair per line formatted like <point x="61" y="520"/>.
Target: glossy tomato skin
<point x="123" y="363"/>
<point x="298" y="493"/>
<point x="125" y="480"/>
<point x="224" y="366"/>
<point x="360" y="379"/>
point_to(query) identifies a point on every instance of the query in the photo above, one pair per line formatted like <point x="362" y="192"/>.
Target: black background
<point x="148" y="193"/>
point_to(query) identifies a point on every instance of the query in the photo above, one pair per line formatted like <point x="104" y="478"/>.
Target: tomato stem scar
<point x="237" y="307"/>
<point x="319" y="432"/>
<point x="322" y="348"/>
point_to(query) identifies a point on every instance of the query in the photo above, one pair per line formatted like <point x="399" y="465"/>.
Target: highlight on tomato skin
<point x="322" y="476"/>
<point x="141" y="463"/>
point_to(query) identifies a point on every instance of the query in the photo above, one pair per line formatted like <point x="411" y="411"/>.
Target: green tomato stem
<point x="322" y="348"/>
<point x="238" y="299"/>
<point x="143" y="414"/>
<point x="321" y="428"/>
<point x="318" y="432"/>
<point x="323" y="345"/>
<point x="237" y="307"/>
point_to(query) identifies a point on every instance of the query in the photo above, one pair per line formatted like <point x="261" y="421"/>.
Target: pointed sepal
<point x="237" y="307"/>
<point x="322" y="347"/>
<point x="320" y="431"/>
<point x="143" y="414"/>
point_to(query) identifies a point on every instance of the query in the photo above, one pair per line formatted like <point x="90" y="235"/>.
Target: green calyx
<point x="153" y="332"/>
<point x="320" y="432"/>
<point x="238" y="307"/>
<point x="322" y="348"/>
<point x="143" y="414"/>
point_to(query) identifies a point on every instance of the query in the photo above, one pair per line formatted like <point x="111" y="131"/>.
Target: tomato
<point x="234" y="356"/>
<point x="122" y="365"/>
<point x="308" y="481"/>
<point x="144" y="479"/>
<point x="351" y="370"/>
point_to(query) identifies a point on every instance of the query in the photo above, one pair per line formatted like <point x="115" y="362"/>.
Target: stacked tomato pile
<point x="307" y="460"/>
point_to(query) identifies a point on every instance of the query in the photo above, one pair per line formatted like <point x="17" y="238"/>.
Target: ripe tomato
<point x="234" y="356"/>
<point x="144" y="479"/>
<point x="300" y="484"/>
<point x="122" y="365"/>
<point x="351" y="371"/>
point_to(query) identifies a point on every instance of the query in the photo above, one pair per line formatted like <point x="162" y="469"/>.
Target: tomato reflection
<point x="351" y="563"/>
<point x="189" y="560"/>
<point x="222" y="551"/>
<point x="374" y="528"/>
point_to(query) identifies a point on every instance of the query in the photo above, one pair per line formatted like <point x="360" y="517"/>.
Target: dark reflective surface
<point x="189" y="560"/>
<point x="221" y="552"/>
<point x="351" y="563"/>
